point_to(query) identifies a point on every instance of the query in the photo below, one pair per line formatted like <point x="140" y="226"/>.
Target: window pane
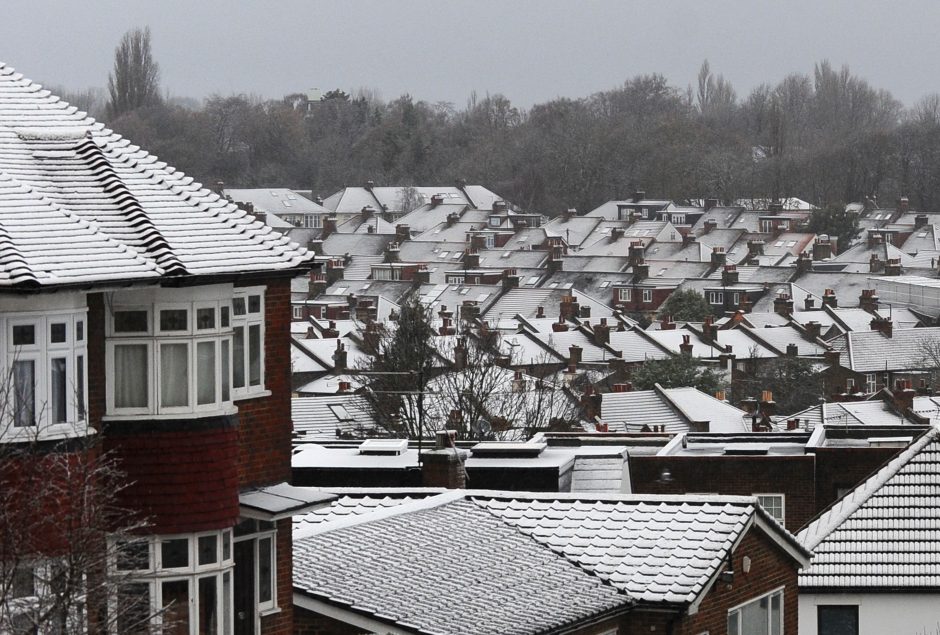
<point x="226" y="602"/>
<point x="174" y="375"/>
<point x="775" y="621"/>
<point x="208" y="552"/>
<point x="57" y="333"/>
<point x="131" y="322"/>
<point x="130" y="376"/>
<point x="133" y="555"/>
<point x="264" y="570"/>
<point x="254" y="354"/>
<point x="733" y="623"/>
<point x="80" y="385"/>
<point x="205" y="373"/>
<point x="24" y="335"/>
<point x="254" y="304"/>
<point x="226" y="396"/>
<point x="174" y="320"/>
<point x="59" y="390"/>
<point x="79" y="331"/>
<point x="837" y="619"/>
<point x="24" y="392"/>
<point x="754" y="618"/>
<point x="176" y="607"/>
<point x="238" y="306"/>
<point x="208" y="609"/>
<point x="133" y="609"/>
<point x="205" y="318"/>
<point x="175" y="553"/>
<point x="226" y="545"/>
<point x="223" y="314"/>
<point x="238" y="357"/>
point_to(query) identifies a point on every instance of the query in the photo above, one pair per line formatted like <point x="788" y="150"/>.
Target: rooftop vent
<point x="383" y="447"/>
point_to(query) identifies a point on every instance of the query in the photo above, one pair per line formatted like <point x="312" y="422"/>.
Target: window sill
<point x="50" y="432"/>
<point x="266" y="612"/>
<point x="199" y="414"/>
<point x="255" y="395"/>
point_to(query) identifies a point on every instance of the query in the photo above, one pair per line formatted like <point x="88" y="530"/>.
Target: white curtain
<point x="205" y="373"/>
<point x="24" y="392"/>
<point x="174" y="375"/>
<point x="130" y="376"/>
<point x="59" y="391"/>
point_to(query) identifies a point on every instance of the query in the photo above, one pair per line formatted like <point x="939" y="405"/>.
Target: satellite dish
<point x="481" y="427"/>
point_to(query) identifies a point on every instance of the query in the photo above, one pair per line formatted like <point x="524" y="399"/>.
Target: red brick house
<point x="145" y="312"/>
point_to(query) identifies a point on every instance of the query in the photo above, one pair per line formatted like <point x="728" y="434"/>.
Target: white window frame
<point x="716" y="297"/>
<point x="737" y="610"/>
<point x="626" y="294"/>
<point x="297" y="312"/>
<point x="247" y="320"/>
<point x="647" y="296"/>
<point x="736" y="299"/>
<point x="767" y="508"/>
<point x="871" y="382"/>
<point x="270" y="606"/>
<point x="154" y="338"/>
<point x="155" y="575"/>
<point x="41" y="352"/>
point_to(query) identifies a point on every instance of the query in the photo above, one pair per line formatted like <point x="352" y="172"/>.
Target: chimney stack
<point x="710" y="203"/>
<point x="809" y="303"/>
<point x="402" y="233"/>
<point x="783" y="304"/>
<point x="829" y="299"/>
<point x="719" y="257"/>
<point x="339" y="356"/>
<point x="686" y="346"/>
<point x="601" y="333"/>
<point x="893" y="267"/>
<point x="729" y="275"/>
<point x="882" y="325"/>
<point x="813" y="330"/>
<point x="592" y="403"/>
<point x="822" y="248"/>
<point x="920" y="221"/>
<point x="444" y="465"/>
<point x="868" y="300"/>
<point x="329" y="225"/>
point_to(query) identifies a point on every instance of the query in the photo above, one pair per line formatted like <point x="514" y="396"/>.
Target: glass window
<point x="205" y="373"/>
<point x="226" y="602"/>
<point x="762" y="616"/>
<point x="238" y="357"/>
<point x="174" y="320"/>
<point x="265" y="569"/>
<point x="131" y="376"/>
<point x="225" y="370"/>
<point x="175" y="553"/>
<point x="24" y="335"/>
<point x="131" y="322"/>
<point x="79" y="331"/>
<point x="238" y="306"/>
<point x="174" y="375"/>
<point x="254" y="354"/>
<point x="133" y="555"/>
<point x="773" y="505"/>
<point x="837" y="619"/>
<point x="208" y="551"/>
<point x="24" y="393"/>
<point x="226" y="545"/>
<point x="57" y="333"/>
<point x="59" y="390"/>
<point x="205" y="318"/>
<point x="80" y="385"/>
<point x="254" y="304"/>
<point x="175" y="606"/>
<point x="224" y="316"/>
<point x="208" y="608"/>
<point x="133" y="608"/>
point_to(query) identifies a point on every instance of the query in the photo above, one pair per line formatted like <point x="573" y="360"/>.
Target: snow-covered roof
<point x="79" y="204"/>
<point x="883" y="534"/>
<point x="552" y="560"/>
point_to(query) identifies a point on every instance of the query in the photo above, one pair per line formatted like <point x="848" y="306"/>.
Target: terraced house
<point x="145" y="318"/>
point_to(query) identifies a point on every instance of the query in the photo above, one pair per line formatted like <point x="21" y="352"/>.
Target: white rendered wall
<point x="879" y="613"/>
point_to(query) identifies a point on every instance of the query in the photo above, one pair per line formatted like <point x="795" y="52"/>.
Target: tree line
<point x="828" y="137"/>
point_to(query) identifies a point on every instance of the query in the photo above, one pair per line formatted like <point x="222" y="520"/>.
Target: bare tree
<point x="135" y="81"/>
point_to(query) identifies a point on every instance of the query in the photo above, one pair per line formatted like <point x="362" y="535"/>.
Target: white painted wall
<point x="879" y="613"/>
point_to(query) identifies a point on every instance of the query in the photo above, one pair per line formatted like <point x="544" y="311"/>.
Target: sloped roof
<point x="320" y="418"/>
<point x="549" y="560"/>
<point x="883" y="534"/>
<point x="81" y="204"/>
<point x="275" y="200"/>
<point x="449" y="566"/>
<point x="871" y="351"/>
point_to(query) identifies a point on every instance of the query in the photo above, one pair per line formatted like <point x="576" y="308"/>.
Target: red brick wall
<point x="282" y="623"/>
<point x="792" y="476"/>
<point x="178" y="481"/>
<point x="845" y="468"/>
<point x="310" y="623"/>
<point x="264" y="442"/>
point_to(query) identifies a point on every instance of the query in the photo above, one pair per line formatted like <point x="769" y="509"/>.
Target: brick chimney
<point x="460" y="354"/>
<point x="316" y="246"/>
<point x="708" y="328"/>
<point x="641" y="271"/>
<point x="767" y="406"/>
<point x="591" y="403"/>
<point x="560" y="326"/>
<point x="831" y="357"/>
<point x="510" y="279"/>
<point x="882" y="325"/>
<point x="330" y="331"/>
<point x="666" y="323"/>
<point x="638" y="196"/>
<point x="755" y="248"/>
<point x="421" y="276"/>
<point x="469" y="310"/>
<point x="829" y="299"/>
<point x="783" y="304"/>
<point x="471" y="258"/>
<point x="809" y="303"/>
<point x="447" y="321"/>
<point x="574" y="355"/>
<point x="813" y="330"/>
<point x="392" y="252"/>
<point x="339" y="356"/>
<point x="402" y="232"/>
<point x="686" y="346"/>
<point x="636" y="252"/>
<point x="711" y="203"/>
<point x="903" y="394"/>
<point x="920" y="221"/>
<point x="822" y="248"/>
<point x="793" y="350"/>
<point x="335" y="270"/>
<point x="329" y="225"/>
<point x="601" y="333"/>
<point x="624" y="387"/>
<point x="540" y="312"/>
<point x="569" y="307"/>
<point x="904" y="205"/>
<point x="893" y="267"/>
<point x="719" y="257"/>
<point x="804" y="264"/>
<point x="444" y="465"/>
<point x="316" y="284"/>
<point x="868" y="300"/>
<point x="729" y="275"/>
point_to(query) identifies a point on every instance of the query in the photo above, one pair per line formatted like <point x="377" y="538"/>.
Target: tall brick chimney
<point x="783" y="304"/>
<point x="729" y="275"/>
<point x="829" y="299"/>
<point x="686" y="346"/>
<point x="601" y="333"/>
<point x="591" y="403"/>
<point x="339" y="356"/>
<point x="329" y="225"/>
<point x="444" y="465"/>
<point x="882" y="325"/>
<point x="868" y="300"/>
<point x="719" y="257"/>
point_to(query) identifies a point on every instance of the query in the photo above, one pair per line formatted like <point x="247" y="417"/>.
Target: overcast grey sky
<point x="441" y="51"/>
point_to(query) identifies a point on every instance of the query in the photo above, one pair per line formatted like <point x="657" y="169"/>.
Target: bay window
<point x="184" y="351"/>
<point x="184" y="582"/>
<point x="45" y="370"/>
